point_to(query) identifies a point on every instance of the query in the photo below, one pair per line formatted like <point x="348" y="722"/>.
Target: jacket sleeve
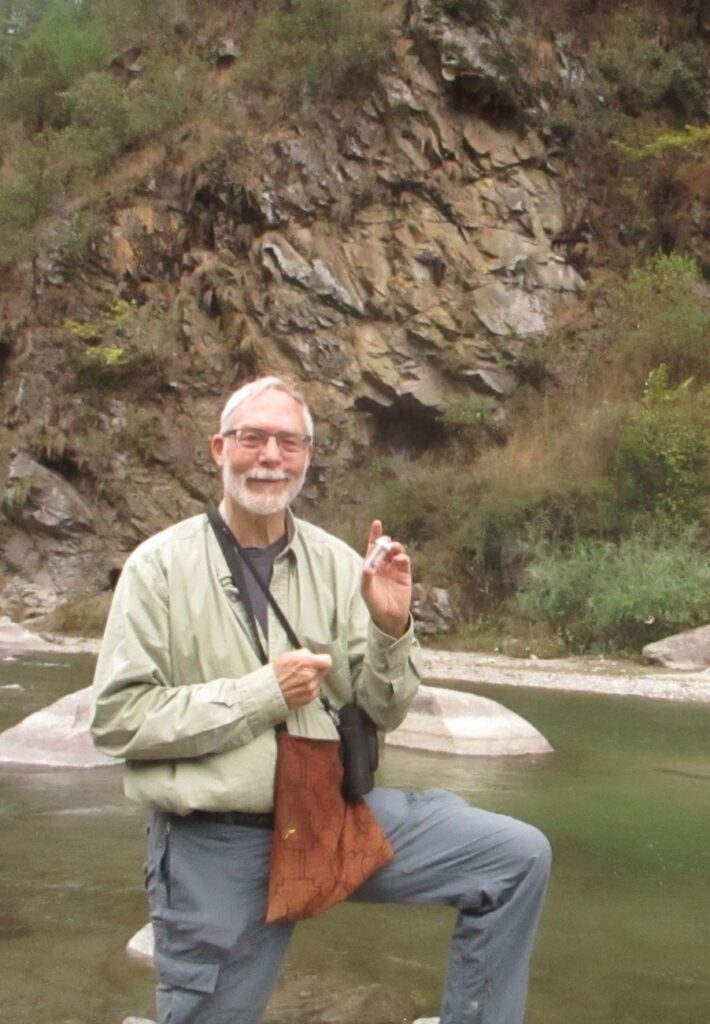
<point x="386" y="672"/>
<point x="139" y="711"/>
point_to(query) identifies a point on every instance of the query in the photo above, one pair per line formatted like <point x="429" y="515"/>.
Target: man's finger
<point x="375" y="532"/>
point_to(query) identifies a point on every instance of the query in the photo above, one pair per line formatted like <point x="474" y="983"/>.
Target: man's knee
<point x="528" y="849"/>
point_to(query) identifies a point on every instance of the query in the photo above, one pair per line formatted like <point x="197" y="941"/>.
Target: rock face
<point x="392" y="256"/>
<point x="56" y="736"/>
<point x="449" y="722"/>
<point x="689" y="650"/>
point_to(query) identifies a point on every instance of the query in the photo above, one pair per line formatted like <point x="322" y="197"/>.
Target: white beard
<point x="269" y="503"/>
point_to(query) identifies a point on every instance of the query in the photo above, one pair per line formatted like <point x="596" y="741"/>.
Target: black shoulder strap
<point x="230" y="546"/>
<point x="228" y="543"/>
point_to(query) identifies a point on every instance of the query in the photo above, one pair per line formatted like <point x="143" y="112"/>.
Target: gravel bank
<point x="589" y="675"/>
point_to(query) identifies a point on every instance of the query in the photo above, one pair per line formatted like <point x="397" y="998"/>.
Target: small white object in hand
<point x="380" y="548"/>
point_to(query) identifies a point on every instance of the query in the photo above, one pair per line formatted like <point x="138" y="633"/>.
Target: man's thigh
<point x="449" y="852"/>
<point x="207" y="883"/>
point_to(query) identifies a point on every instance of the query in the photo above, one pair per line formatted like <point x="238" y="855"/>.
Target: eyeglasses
<point x="251" y="439"/>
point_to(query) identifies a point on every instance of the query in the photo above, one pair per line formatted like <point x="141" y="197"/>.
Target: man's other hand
<point x="387" y="590"/>
<point x="300" y="675"/>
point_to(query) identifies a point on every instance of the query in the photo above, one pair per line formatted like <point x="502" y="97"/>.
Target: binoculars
<point x="358" y="751"/>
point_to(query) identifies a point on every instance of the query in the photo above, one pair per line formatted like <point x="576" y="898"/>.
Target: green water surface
<point x="626" y="933"/>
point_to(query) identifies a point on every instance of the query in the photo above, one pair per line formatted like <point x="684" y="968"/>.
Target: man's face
<point x="264" y="481"/>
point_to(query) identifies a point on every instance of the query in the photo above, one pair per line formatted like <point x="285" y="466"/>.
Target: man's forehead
<point x="270" y="405"/>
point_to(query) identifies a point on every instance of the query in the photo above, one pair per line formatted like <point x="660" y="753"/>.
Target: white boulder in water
<point x="449" y="722"/>
<point x="56" y="736"/>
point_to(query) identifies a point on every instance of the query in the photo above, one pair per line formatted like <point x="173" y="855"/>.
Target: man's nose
<point x="271" y="451"/>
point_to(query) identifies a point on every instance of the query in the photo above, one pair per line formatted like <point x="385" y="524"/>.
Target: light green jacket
<point x="179" y="689"/>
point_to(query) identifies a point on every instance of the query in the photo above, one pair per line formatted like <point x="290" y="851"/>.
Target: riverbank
<point x="586" y="675"/>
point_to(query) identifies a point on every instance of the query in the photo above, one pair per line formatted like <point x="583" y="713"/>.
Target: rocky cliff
<point x="391" y="252"/>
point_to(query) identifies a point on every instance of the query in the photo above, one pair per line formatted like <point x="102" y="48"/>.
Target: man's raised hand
<point x="387" y="589"/>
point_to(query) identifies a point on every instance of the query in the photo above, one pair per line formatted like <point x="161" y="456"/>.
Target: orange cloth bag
<point x="324" y="847"/>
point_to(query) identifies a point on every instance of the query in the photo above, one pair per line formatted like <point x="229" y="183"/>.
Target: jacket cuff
<point x="390" y="657"/>
<point x="262" y="699"/>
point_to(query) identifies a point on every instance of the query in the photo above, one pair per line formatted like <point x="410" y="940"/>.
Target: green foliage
<point x="662" y="315"/>
<point x="604" y="595"/>
<point x="662" y="458"/>
<point x="403" y="509"/>
<point x="315" y="48"/>
<point x="29" y="192"/>
<point x="688" y="142"/>
<point x="66" y="42"/>
<point x="106" y="120"/>
<point x="496" y="532"/>
<point x="643" y="73"/>
<point x="471" y="420"/>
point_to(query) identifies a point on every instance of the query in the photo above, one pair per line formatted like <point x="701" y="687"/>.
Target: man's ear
<point x="217" y="448"/>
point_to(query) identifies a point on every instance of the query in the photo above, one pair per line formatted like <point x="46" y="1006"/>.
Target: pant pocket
<point x="184" y="989"/>
<point x="157" y="864"/>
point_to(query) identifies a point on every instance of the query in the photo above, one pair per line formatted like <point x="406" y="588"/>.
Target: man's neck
<point x="252" y="531"/>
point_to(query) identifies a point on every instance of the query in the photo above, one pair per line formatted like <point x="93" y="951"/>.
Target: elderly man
<point x="195" y="676"/>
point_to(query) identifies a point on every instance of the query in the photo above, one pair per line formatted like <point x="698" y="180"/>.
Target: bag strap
<point x="231" y="548"/>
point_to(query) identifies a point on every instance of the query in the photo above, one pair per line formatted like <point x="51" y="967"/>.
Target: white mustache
<point x="266" y="474"/>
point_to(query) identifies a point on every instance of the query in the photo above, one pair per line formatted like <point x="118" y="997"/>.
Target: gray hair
<point x="258" y="387"/>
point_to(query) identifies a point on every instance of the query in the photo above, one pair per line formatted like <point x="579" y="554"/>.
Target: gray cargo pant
<point x="217" y="961"/>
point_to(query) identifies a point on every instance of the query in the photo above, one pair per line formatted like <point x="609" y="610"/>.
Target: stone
<point x="508" y="248"/>
<point x="505" y="311"/>
<point x="56" y="736"/>
<point x="449" y="722"/>
<point x="689" y="650"/>
<point x="432" y="610"/>
<point x="140" y="946"/>
<point x="138" y="1020"/>
<point x="497" y="383"/>
<point x="26" y="602"/>
<point x="557" y="276"/>
<point x="39" y="499"/>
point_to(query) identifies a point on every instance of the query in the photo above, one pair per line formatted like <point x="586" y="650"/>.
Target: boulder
<point x="449" y="722"/>
<point x="140" y="947"/>
<point x="39" y="499"/>
<point x="439" y="720"/>
<point x="507" y="311"/>
<point x="689" y="650"/>
<point x="432" y="610"/>
<point x="56" y="736"/>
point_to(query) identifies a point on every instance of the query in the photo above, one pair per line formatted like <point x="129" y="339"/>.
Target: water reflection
<point x="625" y="939"/>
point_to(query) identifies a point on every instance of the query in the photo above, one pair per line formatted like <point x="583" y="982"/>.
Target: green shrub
<point x="30" y="190"/>
<point x="402" y="510"/>
<point x="643" y="73"/>
<point x="471" y="420"/>
<point x="603" y="595"/>
<point x="167" y="90"/>
<point x="316" y="48"/>
<point x="66" y="42"/>
<point x="662" y="315"/>
<point x="662" y="458"/>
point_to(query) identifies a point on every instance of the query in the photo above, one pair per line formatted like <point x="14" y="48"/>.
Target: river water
<point x="626" y="933"/>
